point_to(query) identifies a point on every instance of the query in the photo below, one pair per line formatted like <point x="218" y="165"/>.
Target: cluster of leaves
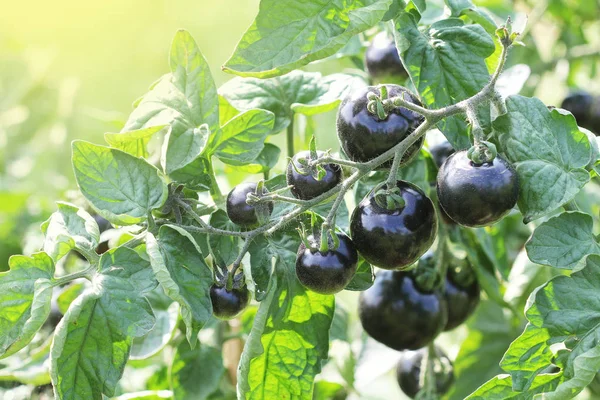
<point x="160" y="266"/>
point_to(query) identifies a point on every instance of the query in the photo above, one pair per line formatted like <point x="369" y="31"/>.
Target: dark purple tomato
<point x="306" y="187"/>
<point x="227" y="304"/>
<point x="239" y="211"/>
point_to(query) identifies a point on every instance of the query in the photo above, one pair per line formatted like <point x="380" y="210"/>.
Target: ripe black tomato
<point x="585" y="108"/>
<point x="461" y="293"/>
<point x="363" y="136"/>
<point x="408" y="372"/>
<point x="395" y="312"/>
<point x="306" y="187"/>
<point x="240" y="212"/>
<point x="327" y="272"/>
<point x="476" y="194"/>
<point x="441" y="151"/>
<point x="382" y="59"/>
<point x="393" y="239"/>
<point x="227" y="304"/>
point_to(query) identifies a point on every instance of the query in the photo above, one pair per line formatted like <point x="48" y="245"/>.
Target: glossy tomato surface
<point x="239" y="211"/>
<point x="382" y="59"/>
<point x="395" y="312"/>
<point x="476" y="194"/>
<point x="327" y="272"/>
<point x="462" y="299"/>
<point x="392" y="239"/>
<point x="363" y="136"/>
<point x="227" y="304"/>
<point x="409" y="372"/>
<point x="306" y="187"/>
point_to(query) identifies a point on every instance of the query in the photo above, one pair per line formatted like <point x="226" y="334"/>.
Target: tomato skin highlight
<point x="395" y="312"/>
<point x="394" y="239"/>
<point x="363" y="136"/>
<point x="477" y="195"/>
<point x="382" y="59"/>
<point x="240" y="212"/>
<point x="408" y="372"/>
<point x="228" y="304"/>
<point x="306" y="187"/>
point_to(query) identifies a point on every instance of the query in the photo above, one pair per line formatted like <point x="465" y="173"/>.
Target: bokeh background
<point x="71" y="70"/>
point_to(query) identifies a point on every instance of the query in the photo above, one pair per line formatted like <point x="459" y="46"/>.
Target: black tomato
<point x="393" y="239"/>
<point x="327" y="272"/>
<point x="395" y="312"/>
<point x="227" y="304"/>
<point x="585" y="108"/>
<point x="409" y="369"/>
<point x="363" y="136"/>
<point x="476" y="194"/>
<point x="382" y="59"/>
<point x="306" y="187"/>
<point x="239" y="211"/>
<point x="441" y="151"/>
<point x="461" y="293"/>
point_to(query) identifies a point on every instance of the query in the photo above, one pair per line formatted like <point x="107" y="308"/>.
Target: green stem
<point x="392" y="177"/>
<point x="430" y="386"/>
<point x="84" y="273"/>
<point x="215" y="191"/>
<point x="290" y="138"/>
<point x="571" y="206"/>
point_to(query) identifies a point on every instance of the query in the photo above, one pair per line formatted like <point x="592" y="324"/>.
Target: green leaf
<point x="563" y="241"/>
<point x="185" y="99"/>
<point x="242" y="139"/>
<point x="224" y="248"/>
<point x="500" y="388"/>
<point x="288" y="34"/>
<point x="25" y="294"/>
<point x="196" y="373"/>
<point x="195" y="175"/>
<point x="265" y="161"/>
<point x="363" y="278"/>
<point x="261" y="266"/>
<point x="32" y="370"/>
<point x="564" y="311"/>
<point x="480" y="353"/>
<point x="308" y="93"/>
<point x="92" y="341"/>
<point x="290" y="335"/>
<point x="547" y="150"/>
<point x="183" y="274"/>
<point x="69" y="228"/>
<point x="122" y="188"/>
<point x="466" y="8"/>
<point x="68" y="295"/>
<point x="133" y="142"/>
<point x="155" y="340"/>
<point x="446" y="63"/>
<point x="328" y="390"/>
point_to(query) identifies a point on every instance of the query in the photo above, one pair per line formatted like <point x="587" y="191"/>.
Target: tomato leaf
<point x="446" y="63"/>
<point x="288" y="34"/>
<point x="122" y="188"/>
<point x="185" y="99"/>
<point x="566" y="311"/>
<point x="92" y="342"/>
<point x="25" y="294"/>
<point x="548" y="151"/>
<point x="69" y="228"/>
<point x="186" y="381"/>
<point x="563" y="241"/>
<point x="183" y="274"/>
<point x="133" y="142"/>
<point x="302" y="92"/>
<point x="242" y="139"/>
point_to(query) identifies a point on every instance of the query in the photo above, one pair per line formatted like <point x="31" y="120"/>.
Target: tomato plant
<point x="453" y="204"/>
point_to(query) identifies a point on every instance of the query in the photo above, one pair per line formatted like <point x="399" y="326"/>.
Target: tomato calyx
<point x="427" y="274"/>
<point x="309" y="164"/>
<point x="389" y="198"/>
<point x="322" y="240"/>
<point x="482" y="152"/>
